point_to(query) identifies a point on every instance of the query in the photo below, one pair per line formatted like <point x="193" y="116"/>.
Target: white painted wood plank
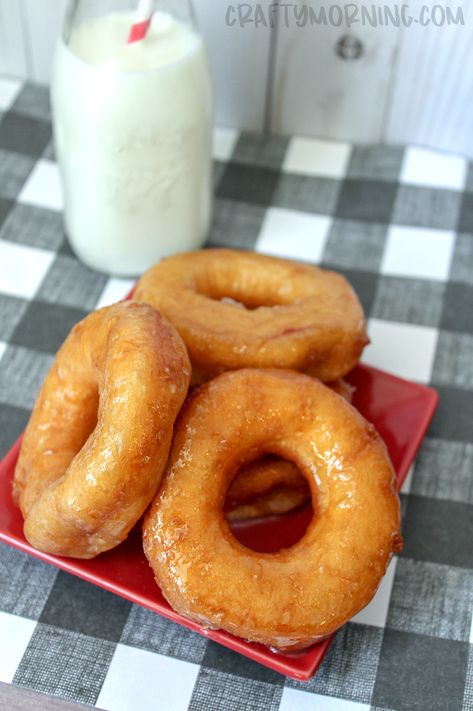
<point x="432" y="93"/>
<point x="239" y="64"/>
<point x="13" y="60"/>
<point x="43" y="22"/>
<point x="318" y="93"/>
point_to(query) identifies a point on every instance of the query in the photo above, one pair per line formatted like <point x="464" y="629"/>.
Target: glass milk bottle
<point x="132" y="125"/>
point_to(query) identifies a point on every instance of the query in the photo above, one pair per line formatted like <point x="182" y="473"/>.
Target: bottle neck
<point x="80" y="11"/>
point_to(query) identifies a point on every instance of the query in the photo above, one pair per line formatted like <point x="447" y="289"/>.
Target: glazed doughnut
<point x="295" y="316"/>
<point x="297" y="596"/>
<point x="271" y="485"/>
<point x="96" y="445"/>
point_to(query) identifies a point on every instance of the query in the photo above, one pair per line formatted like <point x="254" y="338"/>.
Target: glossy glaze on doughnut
<point x="297" y="316"/>
<point x="295" y="597"/>
<point x="96" y="445"/>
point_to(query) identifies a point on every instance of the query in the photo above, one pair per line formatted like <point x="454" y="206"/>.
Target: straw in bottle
<point x="144" y="15"/>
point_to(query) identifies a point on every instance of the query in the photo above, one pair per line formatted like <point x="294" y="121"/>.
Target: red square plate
<point x="400" y="410"/>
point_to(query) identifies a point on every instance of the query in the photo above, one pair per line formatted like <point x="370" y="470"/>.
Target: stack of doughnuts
<point x="217" y="394"/>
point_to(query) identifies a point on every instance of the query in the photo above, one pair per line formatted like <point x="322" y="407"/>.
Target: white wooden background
<point x="410" y="85"/>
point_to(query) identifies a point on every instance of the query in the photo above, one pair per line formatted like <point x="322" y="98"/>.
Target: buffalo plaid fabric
<point x="398" y="223"/>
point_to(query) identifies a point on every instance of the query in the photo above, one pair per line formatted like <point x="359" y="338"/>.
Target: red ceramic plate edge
<point x="432" y="400"/>
<point x="301" y="666"/>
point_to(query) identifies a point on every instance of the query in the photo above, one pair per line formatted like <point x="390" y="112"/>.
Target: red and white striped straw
<point x="144" y="15"/>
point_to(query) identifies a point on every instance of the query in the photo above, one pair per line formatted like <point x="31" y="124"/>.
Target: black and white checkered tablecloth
<point x="399" y="224"/>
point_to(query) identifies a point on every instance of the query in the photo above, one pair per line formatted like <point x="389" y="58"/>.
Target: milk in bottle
<point x="132" y="127"/>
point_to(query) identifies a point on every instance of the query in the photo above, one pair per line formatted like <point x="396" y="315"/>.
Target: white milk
<point x="133" y="136"/>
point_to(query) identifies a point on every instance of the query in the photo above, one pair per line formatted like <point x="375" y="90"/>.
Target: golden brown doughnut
<point x="271" y="485"/>
<point x="295" y="597"/>
<point x="296" y="316"/>
<point x="96" y="445"/>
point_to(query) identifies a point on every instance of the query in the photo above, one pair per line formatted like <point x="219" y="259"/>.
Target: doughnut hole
<point x="268" y="505"/>
<point x="245" y="303"/>
<point x="249" y="291"/>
